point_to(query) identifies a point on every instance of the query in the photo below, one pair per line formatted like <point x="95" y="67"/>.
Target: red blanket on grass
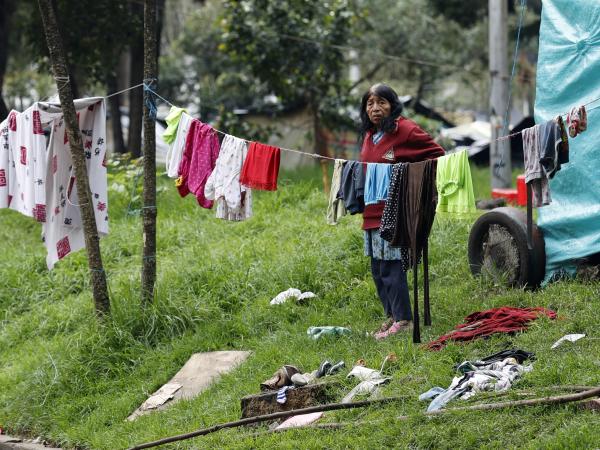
<point x="497" y="320"/>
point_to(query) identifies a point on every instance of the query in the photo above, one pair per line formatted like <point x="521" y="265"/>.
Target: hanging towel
<point x="352" y="187"/>
<point x="233" y="201"/>
<point x="454" y="184"/>
<point x="175" y="152"/>
<point x="377" y="182"/>
<point x="261" y="167"/>
<point x="172" y="120"/>
<point x="198" y="161"/>
<point x="336" y="208"/>
<point x="534" y="172"/>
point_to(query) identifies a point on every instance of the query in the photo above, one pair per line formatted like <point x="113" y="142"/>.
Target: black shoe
<point x="336" y="368"/>
<point x="323" y="369"/>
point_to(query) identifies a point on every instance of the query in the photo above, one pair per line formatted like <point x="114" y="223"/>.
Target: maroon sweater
<point x="407" y="143"/>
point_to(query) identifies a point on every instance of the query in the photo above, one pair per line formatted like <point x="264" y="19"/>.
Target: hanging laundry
<point x="505" y="319"/>
<point x="554" y="146"/>
<point x="336" y="208"/>
<point x="352" y="187"/>
<point x="534" y="173"/>
<point x="408" y="220"/>
<point x="233" y="201"/>
<point x="545" y="148"/>
<point x="175" y="151"/>
<point x="261" y="167"/>
<point x="172" y="120"/>
<point x="454" y="184"/>
<point x="377" y="181"/>
<point x="42" y="181"/>
<point x="198" y="161"/>
<point x="577" y="121"/>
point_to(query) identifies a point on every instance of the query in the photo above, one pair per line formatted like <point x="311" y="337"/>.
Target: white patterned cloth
<point x="37" y="176"/>
<point x="232" y="200"/>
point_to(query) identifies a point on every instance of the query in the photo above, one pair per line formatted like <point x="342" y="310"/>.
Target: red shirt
<point x="407" y="143"/>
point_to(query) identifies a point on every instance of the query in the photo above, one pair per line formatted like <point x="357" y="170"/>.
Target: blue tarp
<point x="568" y="74"/>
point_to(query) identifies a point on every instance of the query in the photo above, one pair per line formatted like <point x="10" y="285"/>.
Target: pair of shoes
<point x="397" y="327"/>
<point x="327" y="368"/>
<point x="385" y="325"/>
<point x="283" y="377"/>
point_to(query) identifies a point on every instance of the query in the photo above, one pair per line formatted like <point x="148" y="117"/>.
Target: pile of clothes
<point x="494" y="373"/>
<point x="505" y="319"/>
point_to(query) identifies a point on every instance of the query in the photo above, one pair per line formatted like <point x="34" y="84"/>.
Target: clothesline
<point x="312" y="155"/>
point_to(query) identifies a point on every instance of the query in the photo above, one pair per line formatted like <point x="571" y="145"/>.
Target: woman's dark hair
<point x="389" y="123"/>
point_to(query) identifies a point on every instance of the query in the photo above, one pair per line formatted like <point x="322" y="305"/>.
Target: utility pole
<point x="500" y="161"/>
<point x="65" y="93"/>
<point x="149" y="194"/>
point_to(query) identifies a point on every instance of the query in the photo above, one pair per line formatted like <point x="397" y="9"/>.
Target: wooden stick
<point x="272" y="416"/>
<point x="594" y="392"/>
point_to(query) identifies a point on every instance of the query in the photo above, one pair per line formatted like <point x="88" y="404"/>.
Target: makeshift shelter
<point x="567" y="76"/>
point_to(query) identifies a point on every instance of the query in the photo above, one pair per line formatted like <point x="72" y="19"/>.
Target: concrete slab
<point x="13" y="443"/>
<point x="196" y="375"/>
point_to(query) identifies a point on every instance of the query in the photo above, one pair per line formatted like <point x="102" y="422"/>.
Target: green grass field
<point x="73" y="380"/>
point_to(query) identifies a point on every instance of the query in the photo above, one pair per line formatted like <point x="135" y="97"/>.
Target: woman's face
<point x="378" y="108"/>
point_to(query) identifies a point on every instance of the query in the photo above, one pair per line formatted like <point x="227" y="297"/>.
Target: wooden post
<point x="149" y="194"/>
<point x="90" y="231"/>
<point x="500" y="160"/>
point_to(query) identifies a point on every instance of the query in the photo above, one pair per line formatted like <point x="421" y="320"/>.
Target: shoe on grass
<point x="336" y="368"/>
<point x="323" y="368"/>
<point x="397" y="327"/>
<point x="385" y="325"/>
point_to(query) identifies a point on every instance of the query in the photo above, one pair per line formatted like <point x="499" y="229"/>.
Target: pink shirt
<point x="198" y="161"/>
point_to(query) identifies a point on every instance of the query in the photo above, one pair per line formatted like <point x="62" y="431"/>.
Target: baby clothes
<point x="261" y="167"/>
<point x="336" y="208"/>
<point x="198" y="161"/>
<point x="377" y="182"/>
<point x="172" y="120"/>
<point x="233" y="201"/>
<point x="175" y="152"/>
<point x="454" y="184"/>
<point x="534" y="172"/>
<point x="554" y="146"/>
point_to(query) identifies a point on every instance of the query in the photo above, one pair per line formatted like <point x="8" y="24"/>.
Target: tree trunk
<point x="136" y="96"/>
<point x="321" y="148"/>
<point x="149" y="194"/>
<point x="6" y="10"/>
<point x="92" y="240"/>
<point x="114" y="104"/>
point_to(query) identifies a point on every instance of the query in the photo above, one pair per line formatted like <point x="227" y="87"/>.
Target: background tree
<point x="273" y="41"/>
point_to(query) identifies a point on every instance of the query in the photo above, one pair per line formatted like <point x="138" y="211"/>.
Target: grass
<point x="73" y="380"/>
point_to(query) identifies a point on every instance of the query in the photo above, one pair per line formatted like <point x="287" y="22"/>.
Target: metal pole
<point x="500" y="162"/>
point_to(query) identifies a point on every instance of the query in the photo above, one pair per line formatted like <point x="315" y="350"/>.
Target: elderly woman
<point x="387" y="137"/>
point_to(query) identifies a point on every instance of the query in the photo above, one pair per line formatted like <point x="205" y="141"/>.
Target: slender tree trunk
<point x="149" y="194"/>
<point x="92" y="240"/>
<point x="114" y="103"/>
<point x="321" y="148"/>
<point x="136" y="96"/>
<point x="6" y="10"/>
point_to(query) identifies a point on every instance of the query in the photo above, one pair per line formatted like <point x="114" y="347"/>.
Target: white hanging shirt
<point x="232" y="200"/>
<point x="175" y="152"/>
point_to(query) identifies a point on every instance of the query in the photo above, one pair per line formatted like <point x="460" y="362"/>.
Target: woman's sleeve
<point x="422" y="146"/>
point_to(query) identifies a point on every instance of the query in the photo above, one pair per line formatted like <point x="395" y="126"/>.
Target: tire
<point x="498" y="248"/>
